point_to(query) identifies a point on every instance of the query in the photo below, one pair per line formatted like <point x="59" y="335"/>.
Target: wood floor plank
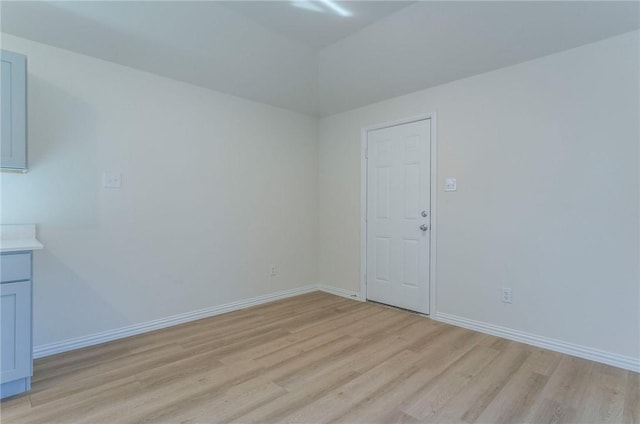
<point x="319" y="358"/>
<point x="523" y="396"/>
<point x="473" y="399"/>
<point x="515" y="399"/>
<point x="631" y="412"/>
<point x="297" y="339"/>
<point x="243" y="397"/>
<point x="321" y="402"/>
<point x="604" y="397"/>
<point x="368" y="401"/>
<point x="358" y="359"/>
<point x="106" y="372"/>
<point x="429" y="399"/>
<point x="74" y="407"/>
<point x="158" y="398"/>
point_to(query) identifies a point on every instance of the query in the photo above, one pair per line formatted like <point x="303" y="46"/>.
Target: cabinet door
<point x="15" y="329"/>
<point x="13" y="108"/>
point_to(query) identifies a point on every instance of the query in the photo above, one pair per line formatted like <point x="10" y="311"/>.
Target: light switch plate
<point x="450" y="184"/>
<point x="112" y="180"/>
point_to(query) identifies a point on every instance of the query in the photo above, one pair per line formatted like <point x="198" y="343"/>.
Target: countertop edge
<point x="20" y="246"/>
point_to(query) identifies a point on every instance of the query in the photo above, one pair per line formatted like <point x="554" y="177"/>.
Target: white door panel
<point x="398" y="193"/>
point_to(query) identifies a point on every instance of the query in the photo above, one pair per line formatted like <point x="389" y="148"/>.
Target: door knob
<point x="424" y="227"/>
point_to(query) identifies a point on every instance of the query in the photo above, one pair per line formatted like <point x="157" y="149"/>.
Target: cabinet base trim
<point x="15" y="387"/>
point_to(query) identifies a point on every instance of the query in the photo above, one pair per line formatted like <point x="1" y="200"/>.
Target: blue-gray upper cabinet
<point x="13" y="98"/>
<point x="16" y="358"/>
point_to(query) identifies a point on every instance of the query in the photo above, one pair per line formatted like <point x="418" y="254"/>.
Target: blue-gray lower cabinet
<point x="15" y="324"/>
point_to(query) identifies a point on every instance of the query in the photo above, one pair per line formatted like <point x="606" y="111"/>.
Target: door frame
<point x="433" y="194"/>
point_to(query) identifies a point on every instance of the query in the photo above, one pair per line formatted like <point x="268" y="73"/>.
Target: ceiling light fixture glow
<point x="307" y="5"/>
<point x="336" y="8"/>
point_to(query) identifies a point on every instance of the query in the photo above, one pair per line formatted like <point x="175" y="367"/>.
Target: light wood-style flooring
<point x="321" y="358"/>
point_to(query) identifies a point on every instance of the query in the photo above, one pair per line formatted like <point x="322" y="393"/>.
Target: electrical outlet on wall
<point x="451" y="184"/>
<point x="273" y="270"/>
<point x="506" y="295"/>
<point x="112" y="180"/>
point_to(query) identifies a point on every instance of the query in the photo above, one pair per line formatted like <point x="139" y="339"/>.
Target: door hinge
<point x="366" y="152"/>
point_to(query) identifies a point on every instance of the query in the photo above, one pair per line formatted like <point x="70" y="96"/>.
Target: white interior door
<point x="399" y="215"/>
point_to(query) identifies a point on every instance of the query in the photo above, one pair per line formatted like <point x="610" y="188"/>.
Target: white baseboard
<point x="340" y="292"/>
<point x="609" y="358"/>
<point x="620" y="361"/>
<point x="132" y="330"/>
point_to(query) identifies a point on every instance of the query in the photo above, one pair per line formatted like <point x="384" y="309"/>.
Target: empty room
<point x="314" y="211"/>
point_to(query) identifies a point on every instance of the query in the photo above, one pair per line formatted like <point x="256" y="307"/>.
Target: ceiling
<point x="305" y="56"/>
<point x="313" y="23"/>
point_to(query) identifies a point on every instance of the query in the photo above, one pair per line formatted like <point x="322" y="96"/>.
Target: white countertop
<point x="15" y="238"/>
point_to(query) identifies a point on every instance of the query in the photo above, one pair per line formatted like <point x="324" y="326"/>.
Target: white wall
<point x="215" y="189"/>
<point x="546" y="157"/>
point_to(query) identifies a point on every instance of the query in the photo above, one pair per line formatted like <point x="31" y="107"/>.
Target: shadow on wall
<point x="61" y="295"/>
<point x="61" y="187"/>
<point x="60" y="192"/>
